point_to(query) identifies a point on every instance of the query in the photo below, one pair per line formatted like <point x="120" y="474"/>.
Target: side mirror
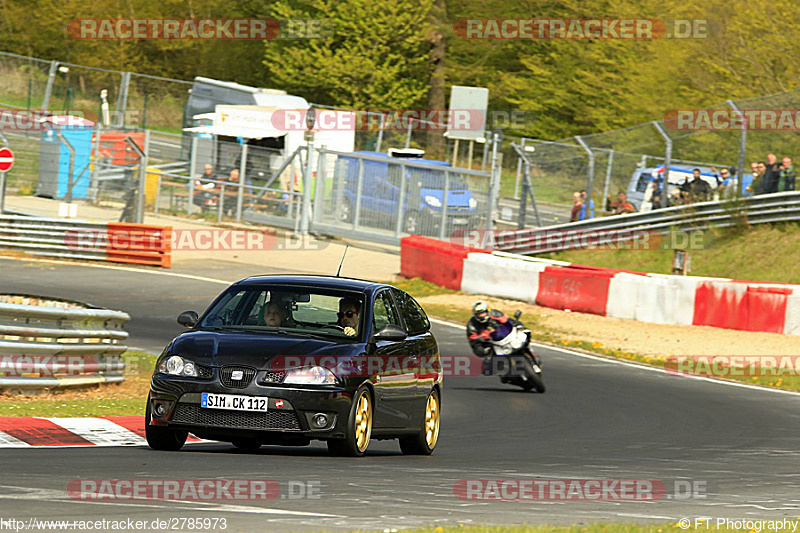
<point x="390" y="333"/>
<point x="517" y="314"/>
<point x="188" y="319"/>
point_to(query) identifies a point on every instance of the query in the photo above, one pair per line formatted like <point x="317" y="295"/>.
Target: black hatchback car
<point x="287" y="359"/>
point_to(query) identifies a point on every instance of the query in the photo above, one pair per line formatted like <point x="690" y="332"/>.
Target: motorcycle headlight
<point x="315" y="375"/>
<point x="473" y="203"/>
<point x="433" y="201"/>
<point x="178" y="366"/>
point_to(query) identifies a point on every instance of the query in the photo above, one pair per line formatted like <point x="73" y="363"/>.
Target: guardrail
<point x="47" y="343"/>
<point x="76" y="239"/>
<point x="771" y="208"/>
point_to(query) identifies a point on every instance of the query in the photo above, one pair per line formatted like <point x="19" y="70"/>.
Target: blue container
<point x="54" y="162"/>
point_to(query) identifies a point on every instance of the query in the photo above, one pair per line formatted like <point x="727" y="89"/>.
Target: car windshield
<point x="434" y="179"/>
<point x="293" y="310"/>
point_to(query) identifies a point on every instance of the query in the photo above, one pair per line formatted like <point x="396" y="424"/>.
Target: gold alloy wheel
<point x="363" y="421"/>
<point x="432" y="421"/>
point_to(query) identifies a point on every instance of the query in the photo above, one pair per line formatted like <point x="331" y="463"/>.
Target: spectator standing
<point x="587" y="207"/>
<point x="772" y="174"/>
<point x="757" y="186"/>
<point x="787" y="176"/>
<point x="577" y="204"/>
<point x="621" y="205"/>
<point x="697" y="189"/>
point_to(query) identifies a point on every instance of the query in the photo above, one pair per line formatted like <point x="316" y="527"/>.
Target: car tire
<point x="424" y="442"/>
<point x="162" y="438"/>
<point x="412" y="222"/>
<point x="247" y="444"/>
<point x="359" y="427"/>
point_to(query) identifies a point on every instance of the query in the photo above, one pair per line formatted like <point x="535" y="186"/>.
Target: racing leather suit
<point x="478" y="332"/>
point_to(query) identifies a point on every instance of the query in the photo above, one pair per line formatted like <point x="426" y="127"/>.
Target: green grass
<point x="759" y="253"/>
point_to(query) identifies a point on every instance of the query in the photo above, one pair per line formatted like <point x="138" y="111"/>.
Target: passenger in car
<point x="276" y="315"/>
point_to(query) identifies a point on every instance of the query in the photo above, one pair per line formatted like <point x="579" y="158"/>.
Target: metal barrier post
<point x="220" y="202"/>
<point x="158" y="193"/>
<point x="667" y="163"/>
<point x="380" y="133"/>
<point x="589" y="176"/>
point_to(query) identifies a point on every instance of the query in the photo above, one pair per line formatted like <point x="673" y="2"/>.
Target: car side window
<point x="383" y="312"/>
<point x="416" y="320"/>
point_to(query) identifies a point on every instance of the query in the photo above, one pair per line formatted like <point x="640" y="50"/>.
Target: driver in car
<point x="479" y="328"/>
<point x="349" y="310"/>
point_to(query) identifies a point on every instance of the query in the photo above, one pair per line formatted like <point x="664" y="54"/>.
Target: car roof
<point x="307" y="280"/>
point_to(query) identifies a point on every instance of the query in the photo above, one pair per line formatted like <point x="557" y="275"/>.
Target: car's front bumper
<point x="291" y="410"/>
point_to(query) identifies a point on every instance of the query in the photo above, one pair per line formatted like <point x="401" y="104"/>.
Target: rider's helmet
<point x="480" y="311"/>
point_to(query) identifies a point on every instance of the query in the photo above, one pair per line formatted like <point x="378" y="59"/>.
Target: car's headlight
<point x="178" y="366"/>
<point x="433" y="201"/>
<point x="315" y="375"/>
<point x="473" y="203"/>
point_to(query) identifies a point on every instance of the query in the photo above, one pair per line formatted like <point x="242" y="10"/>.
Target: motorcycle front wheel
<point x="534" y="380"/>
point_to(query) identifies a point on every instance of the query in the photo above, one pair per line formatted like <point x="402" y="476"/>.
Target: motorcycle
<point x="512" y="358"/>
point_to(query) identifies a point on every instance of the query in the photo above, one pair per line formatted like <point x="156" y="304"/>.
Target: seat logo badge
<point x="237" y="375"/>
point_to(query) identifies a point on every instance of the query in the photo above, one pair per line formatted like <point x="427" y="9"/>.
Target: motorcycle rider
<point x="480" y="327"/>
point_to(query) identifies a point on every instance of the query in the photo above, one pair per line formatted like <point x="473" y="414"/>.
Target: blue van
<point x="422" y="200"/>
<point x="643" y="181"/>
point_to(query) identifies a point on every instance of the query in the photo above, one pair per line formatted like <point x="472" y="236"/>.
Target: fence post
<point x="305" y="215"/>
<point x="380" y="133"/>
<point x="667" y="163"/>
<point x="494" y="180"/>
<point x="408" y="136"/>
<point x="240" y="196"/>
<point x="94" y="184"/>
<point x="319" y="186"/>
<point x="192" y="172"/>
<point x="589" y="176"/>
<point x="742" y="146"/>
<point x="142" y="178"/>
<point x="443" y="224"/>
<point x="122" y="98"/>
<point x="401" y="204"/>
<point x="51" y="78"/>
<point x="609" y="168"/>
<point x="519" y="172"/>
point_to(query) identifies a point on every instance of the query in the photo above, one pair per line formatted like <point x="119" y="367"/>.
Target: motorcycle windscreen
<point x="501" y="332"/>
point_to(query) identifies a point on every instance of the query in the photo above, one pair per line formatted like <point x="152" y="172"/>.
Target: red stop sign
<point x="6" y="159"/>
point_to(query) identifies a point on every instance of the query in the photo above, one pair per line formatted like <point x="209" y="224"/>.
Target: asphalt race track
<point x="598" y="419"/>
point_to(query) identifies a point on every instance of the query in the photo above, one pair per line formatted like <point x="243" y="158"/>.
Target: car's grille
<point x="189" y="413"/>
<point x="274" y="377"/>
<point x="226" y="373"/>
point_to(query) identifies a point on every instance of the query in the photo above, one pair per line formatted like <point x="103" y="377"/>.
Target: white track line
<point x="641" y="366"/>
